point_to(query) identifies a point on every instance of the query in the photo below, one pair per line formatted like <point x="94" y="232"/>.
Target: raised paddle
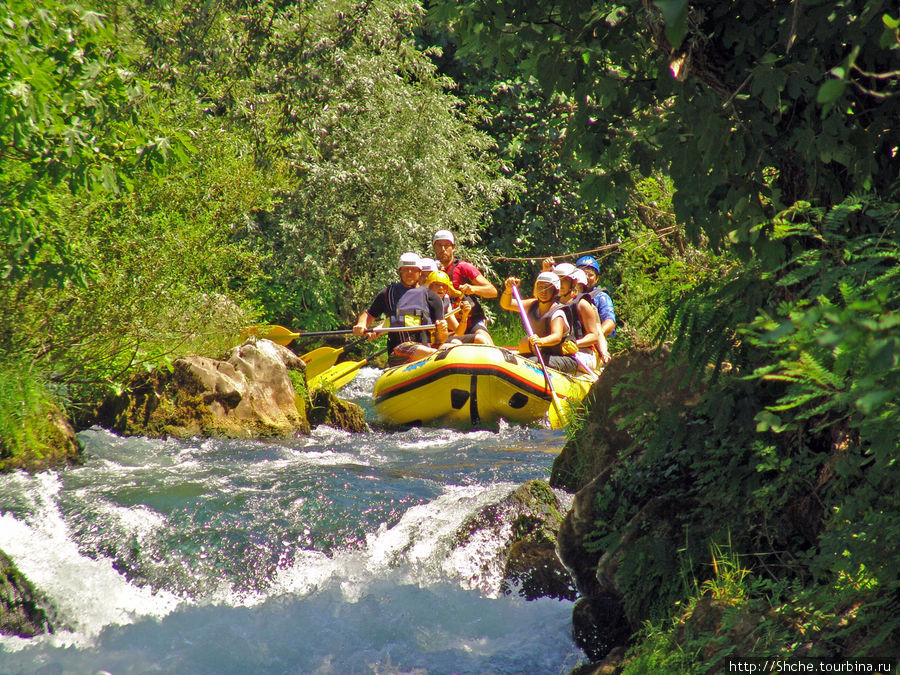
<point x="557" y="420"/>
<point x="341" y="374"/>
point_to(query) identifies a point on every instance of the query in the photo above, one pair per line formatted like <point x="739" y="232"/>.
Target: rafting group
<point x="569" y="315"/>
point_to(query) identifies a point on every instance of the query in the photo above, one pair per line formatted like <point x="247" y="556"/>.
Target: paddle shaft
<point x="530" y="332"/>
<point x="377" y="329"/>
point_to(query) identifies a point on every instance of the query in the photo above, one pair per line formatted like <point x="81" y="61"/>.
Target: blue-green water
<point x="333" y="553"/>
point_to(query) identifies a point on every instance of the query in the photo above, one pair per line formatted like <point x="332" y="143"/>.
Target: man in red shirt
<point x="470" y="281"/>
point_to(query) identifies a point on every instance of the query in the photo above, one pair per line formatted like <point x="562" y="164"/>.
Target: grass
<point x="25" y="404"/>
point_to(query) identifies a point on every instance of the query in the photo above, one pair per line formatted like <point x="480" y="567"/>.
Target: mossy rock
<point x="249" y="394"/>
<point x="326" y="408"/>
<point x="530" y="518"/>
<point x="20" y="610"/>
<point x="56" y="446"/>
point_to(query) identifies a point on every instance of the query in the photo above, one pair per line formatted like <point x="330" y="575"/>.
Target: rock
<point x="248" y="394"/>
<point x="528" y="519"/>
<point x="56" y="447"/>
<point x="20" y="612"/>
<point x="326" y="408"/>
<point x="586" y="466"/>
<point x="612" y="664"/>
<point x="599" y="441"/>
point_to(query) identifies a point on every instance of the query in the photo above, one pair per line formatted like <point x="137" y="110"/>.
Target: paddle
<point x="319" y="360"/>
<point x="559" y="419"/>
<point x="284" y="336"/>
<point x="341" y="374"/>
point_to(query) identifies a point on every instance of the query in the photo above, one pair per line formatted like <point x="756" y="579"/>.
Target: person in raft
<point x="470" y="281"/>
<point x="548" y="320"/>
<point x="407" y="304"/>
<point x="428" y="265"/>
<point x="582" y="316"/>
<point x="599" y="296"/>
<point x="440" y="283"/>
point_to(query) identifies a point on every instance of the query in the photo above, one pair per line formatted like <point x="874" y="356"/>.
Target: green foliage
<point x="338" y="94"/>
<point x="69" y="114"/>
<point x="796" y="456"/>
<point x="657" y="274"/>
<point x="732" y="100"/>
<point x="25" y="404"/>
<point x="145" y="301"/>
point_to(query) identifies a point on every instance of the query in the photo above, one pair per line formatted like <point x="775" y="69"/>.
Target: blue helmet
<point x="588" y="261"/>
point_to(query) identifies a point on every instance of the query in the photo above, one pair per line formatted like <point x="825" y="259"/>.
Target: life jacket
<point x="540" y="324"/>
<point x="477" y="314"/>
<point x="410" y="310"/>
<point x="576" y="327"/>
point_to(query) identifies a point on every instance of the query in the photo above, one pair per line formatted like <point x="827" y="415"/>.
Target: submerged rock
<point x="248" y="394"/>
<point x="528" y="519"/>
<point x="20" y="612"/>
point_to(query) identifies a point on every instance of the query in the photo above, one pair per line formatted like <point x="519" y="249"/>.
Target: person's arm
<point x="558" y="332"/>
<point x="362" y="323"/>
<point x="603" y="348"/>
<point x="465" y="308"/>
<point x="436" y="310"/>
<point x="376" y="309"/>
<point x="589" y="319"/>
<point x="607" y="313"/>
<point x="506" y="299"/>
<point x="479" y="286"/>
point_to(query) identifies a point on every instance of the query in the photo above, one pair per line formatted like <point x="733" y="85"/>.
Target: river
<point x="332" y="553"/>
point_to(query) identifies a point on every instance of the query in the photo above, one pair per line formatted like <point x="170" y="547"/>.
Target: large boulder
<point x="247" y="394"/>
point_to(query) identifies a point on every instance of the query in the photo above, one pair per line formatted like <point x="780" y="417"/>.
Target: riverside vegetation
<point x="170" y="173"/>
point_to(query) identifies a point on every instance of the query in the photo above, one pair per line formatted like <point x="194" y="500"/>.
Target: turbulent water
<point x="333" y="553"/>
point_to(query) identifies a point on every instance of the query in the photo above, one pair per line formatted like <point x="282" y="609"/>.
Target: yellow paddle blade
<point x="321" y="363"/>
<point x="319" y="353"/>
<point x="336" y="377"/>
<point x="280" y="334"/>
<point x="560" y="414"/>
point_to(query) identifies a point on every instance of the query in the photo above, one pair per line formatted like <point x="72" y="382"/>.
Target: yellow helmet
<point x="441" y="277"/>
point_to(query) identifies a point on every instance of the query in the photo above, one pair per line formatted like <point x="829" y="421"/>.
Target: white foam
<point x="86" y="594"/>
<point x="419" y="550"/>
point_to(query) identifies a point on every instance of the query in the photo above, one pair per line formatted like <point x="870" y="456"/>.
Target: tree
<point x="748" y="106"/>
<point x="68" y="115"/>
<point x="338" y="95"/>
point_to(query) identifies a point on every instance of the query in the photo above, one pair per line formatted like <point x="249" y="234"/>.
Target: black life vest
<point x="576" y="327"/>
<point x="541" y="325"/>
<point x="410" y="310"/>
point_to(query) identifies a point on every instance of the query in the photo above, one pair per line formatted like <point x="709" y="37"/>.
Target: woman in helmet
<point x="548" y="321"/>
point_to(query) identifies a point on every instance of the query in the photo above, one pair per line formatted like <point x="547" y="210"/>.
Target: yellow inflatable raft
<point x="470" y="385"/>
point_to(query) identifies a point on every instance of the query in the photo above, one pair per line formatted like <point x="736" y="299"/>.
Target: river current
<point x="333" y="553"/>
